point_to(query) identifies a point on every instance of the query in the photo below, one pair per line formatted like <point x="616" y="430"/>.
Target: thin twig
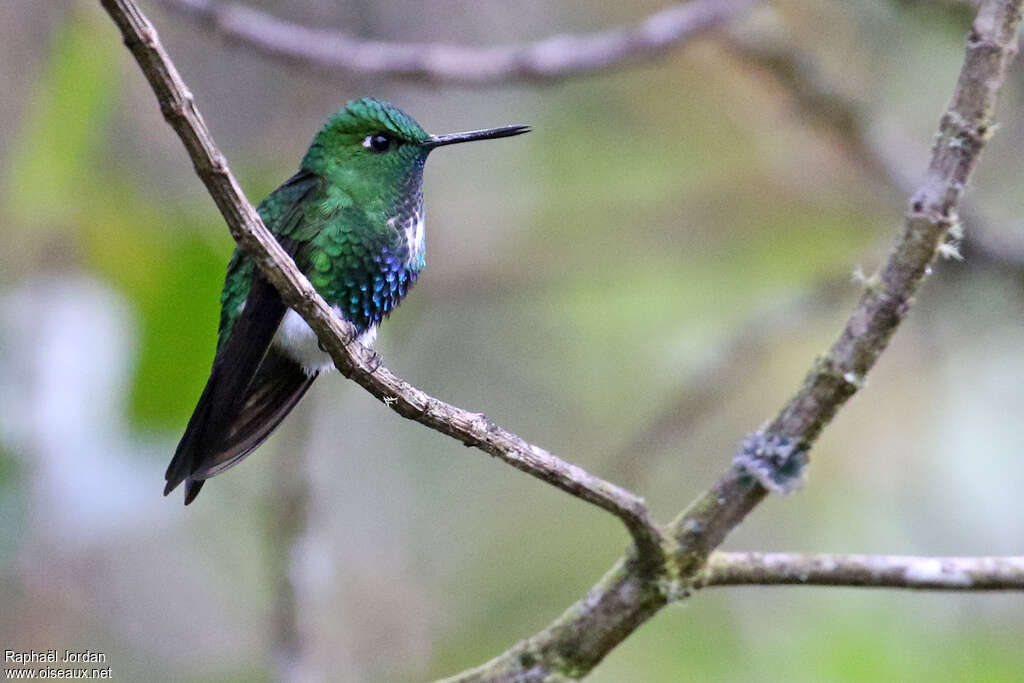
<point x="546" y="60"/>
<point x="352" y="359"/>
<point x="865" y="571"/>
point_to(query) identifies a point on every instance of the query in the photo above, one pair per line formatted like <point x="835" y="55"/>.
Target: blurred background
<point x="635" y="285"/>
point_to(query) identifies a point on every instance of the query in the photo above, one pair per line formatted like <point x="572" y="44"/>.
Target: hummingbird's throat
<point x="414" y="232"/>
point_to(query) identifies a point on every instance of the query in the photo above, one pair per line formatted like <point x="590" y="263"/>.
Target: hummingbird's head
<point x="370" y="144"/>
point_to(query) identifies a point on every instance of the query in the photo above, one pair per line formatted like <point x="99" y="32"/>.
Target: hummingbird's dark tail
<point x="217" y="439"/>
<point x="252" y="387"/>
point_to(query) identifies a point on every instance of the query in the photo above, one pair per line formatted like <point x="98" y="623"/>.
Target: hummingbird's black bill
<point x="470" y="136"/>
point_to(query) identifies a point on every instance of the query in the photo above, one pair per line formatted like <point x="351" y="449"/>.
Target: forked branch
<point x="773" y="458"/>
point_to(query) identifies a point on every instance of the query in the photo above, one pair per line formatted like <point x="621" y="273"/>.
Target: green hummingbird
<point x="352" y="218"/>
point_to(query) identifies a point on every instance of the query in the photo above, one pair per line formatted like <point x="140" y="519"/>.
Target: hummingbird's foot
<point x="372" y="359"/>
<point x="375" y="360"/>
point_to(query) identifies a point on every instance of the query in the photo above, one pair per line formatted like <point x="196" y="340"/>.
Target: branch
<point x="546" y="60"/>
<point x="336" y="336"/>
<point x="822" y="101"/>
<point x="866" y="571"/>
<point x="774" y="457"/>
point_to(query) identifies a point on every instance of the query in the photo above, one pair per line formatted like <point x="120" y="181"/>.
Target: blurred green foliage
<point x="65" y="126"/>
<point x="159" y="256"/>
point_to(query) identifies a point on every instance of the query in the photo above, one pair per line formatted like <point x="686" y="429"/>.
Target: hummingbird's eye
<point x="378" y="143"/>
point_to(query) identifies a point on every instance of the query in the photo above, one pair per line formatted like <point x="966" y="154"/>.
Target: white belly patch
<point x="298" y="341"/>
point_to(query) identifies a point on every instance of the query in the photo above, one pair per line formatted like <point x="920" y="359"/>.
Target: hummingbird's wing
<point x="252" y="386"/>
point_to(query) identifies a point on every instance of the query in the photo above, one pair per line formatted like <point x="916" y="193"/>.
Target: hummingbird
<point x="352" y="219"/>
